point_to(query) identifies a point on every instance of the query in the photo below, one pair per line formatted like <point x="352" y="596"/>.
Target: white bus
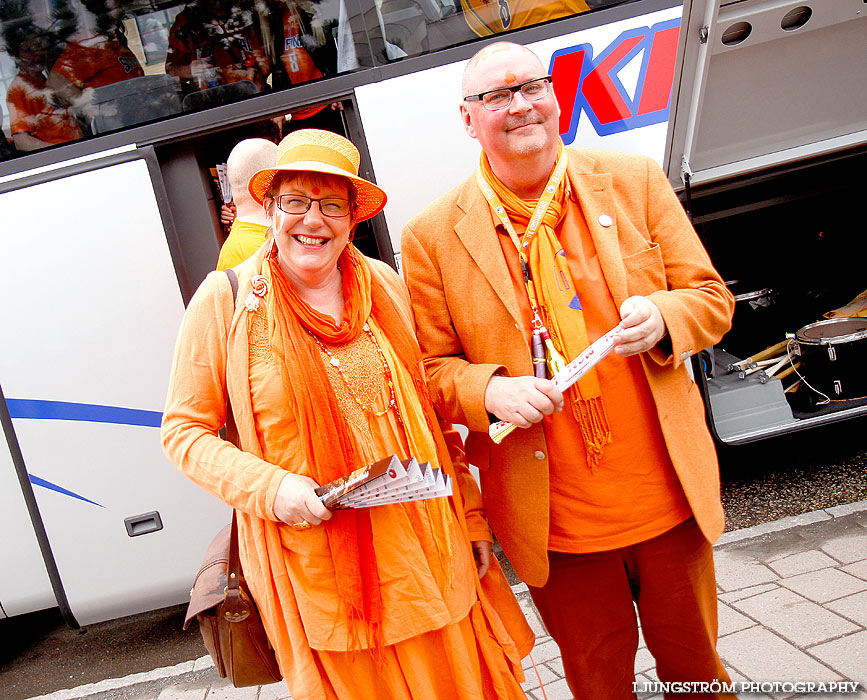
<point x="109" y="216"/>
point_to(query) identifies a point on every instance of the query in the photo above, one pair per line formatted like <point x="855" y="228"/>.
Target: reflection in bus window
<point x="37" y="118"/>
<point x="401" y="28"/>
<point x="215" y="43"/>
<point x="76" y="68"/>
<point x="71" y="69"/>
<point x="93" y="56"/>
<point x="302" y="33"/>
<point x="487" y="17"/>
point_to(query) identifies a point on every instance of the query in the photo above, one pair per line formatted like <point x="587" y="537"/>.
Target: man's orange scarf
<point x="327" y="440"/>
<point x="557" y="297"/>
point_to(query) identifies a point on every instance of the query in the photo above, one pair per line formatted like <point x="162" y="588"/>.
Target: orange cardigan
<point x="469" y="326"/>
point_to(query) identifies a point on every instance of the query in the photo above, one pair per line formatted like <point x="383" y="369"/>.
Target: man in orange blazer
<point x="606" y="498"/>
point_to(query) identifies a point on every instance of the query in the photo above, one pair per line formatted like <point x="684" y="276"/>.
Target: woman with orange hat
<point x="323" y="373"/>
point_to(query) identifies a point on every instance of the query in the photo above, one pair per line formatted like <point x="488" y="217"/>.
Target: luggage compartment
<point x="766" y="145"/>
<point x="790" y="244"/>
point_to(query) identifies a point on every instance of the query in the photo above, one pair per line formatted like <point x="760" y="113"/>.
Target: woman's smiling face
<point x="309" y="244"/>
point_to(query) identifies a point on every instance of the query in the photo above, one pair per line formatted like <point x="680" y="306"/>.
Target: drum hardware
<point x="760" y="297"/>
<point x="756" y="366"/>
<point x="765" y="369"/>
<point x="770" y="351"/>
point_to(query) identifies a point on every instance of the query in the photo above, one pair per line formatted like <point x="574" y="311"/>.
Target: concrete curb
<point x="205" y="663"/>
<point x="790" y="522"/>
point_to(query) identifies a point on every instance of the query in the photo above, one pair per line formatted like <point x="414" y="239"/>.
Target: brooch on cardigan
<point x="260" y="289"/>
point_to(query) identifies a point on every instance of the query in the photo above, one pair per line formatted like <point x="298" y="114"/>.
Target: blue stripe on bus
<point x="63" y="410"/>
<point x="36" y="481"/>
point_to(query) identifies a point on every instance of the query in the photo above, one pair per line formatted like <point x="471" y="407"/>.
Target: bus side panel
<point x="92" y="306"/>
<point x="24" y="583"/>
<point x="417" y="141"/>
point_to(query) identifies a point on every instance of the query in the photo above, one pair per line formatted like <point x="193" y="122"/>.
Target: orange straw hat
<point x="318" y="151"/>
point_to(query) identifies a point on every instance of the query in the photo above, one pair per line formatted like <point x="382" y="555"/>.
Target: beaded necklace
<point x="335" y="362"/>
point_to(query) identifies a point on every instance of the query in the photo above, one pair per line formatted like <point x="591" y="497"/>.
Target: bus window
<point x="89" y="67"/>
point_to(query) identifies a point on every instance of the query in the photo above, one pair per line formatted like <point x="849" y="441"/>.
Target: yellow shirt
<point x="245" y="238"/>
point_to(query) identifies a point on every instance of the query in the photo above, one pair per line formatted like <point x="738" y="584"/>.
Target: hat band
<point x="321" y="154"/>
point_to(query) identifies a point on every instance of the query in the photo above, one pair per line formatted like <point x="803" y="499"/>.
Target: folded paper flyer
<point x="389" y="480"/>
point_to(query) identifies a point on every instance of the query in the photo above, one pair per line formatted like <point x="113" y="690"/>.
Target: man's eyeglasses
<point x="299" y="204"/>
<point x="501" y="98"/>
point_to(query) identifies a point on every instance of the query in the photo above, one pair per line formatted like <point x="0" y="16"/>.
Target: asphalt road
<point x="761" y="482"/>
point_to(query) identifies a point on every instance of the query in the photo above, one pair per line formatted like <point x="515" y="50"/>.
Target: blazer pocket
<point x="645" y="271"/>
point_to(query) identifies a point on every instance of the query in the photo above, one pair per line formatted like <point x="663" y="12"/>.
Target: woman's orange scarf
<point x="328" y="443"/>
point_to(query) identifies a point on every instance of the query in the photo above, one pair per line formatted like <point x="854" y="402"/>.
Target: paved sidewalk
<point x="793" y="608"/>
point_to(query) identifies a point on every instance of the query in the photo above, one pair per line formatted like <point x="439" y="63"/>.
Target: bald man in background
<point x="251" y="224"/>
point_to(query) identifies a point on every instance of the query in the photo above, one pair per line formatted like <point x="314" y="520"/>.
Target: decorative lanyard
<point x="555" y="360"/>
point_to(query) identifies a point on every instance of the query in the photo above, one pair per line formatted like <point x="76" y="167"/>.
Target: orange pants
<point x="587" y="606"/>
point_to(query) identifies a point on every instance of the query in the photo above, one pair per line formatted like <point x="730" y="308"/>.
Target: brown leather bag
<point x="228" y="618"/>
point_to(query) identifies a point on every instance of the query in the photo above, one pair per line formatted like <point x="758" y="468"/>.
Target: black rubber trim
<point x="35" y="515"/>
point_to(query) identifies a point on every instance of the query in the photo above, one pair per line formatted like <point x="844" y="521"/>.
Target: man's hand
<point x="482" y="554"/>
<point x="296" y="502"/>
<point x="642" y="326"/>
<point x="522" y="400"/>
<point x="227" y="214"/>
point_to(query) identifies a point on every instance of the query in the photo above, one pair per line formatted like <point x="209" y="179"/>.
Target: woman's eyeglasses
<point x="299" y="204"/>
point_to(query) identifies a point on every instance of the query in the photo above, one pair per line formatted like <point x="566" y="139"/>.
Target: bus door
<point x="91" y="307"/>
<point x="766" y="143"/>
<point x="24" y="582"/>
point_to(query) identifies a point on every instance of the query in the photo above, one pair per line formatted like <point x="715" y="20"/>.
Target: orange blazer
<point x="469" y="326"/>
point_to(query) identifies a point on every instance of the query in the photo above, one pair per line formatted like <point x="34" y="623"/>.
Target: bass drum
<point x="834" y="357"/>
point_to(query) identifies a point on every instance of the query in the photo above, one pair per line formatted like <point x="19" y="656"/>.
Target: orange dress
<point x="445" y="634"/>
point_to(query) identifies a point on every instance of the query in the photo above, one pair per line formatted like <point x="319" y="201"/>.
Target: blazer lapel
<point x="595" y="193"/>
<point x="476" y="232"/>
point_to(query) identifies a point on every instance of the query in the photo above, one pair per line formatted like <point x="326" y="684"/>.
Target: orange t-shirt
<point x="31" y="112"/>
<point x="97" y="62"/>
<point x="633" y="494"/>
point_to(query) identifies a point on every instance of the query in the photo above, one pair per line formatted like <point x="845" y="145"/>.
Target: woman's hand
<point x="297" y="504"/>
<point x="482" y="554"/>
